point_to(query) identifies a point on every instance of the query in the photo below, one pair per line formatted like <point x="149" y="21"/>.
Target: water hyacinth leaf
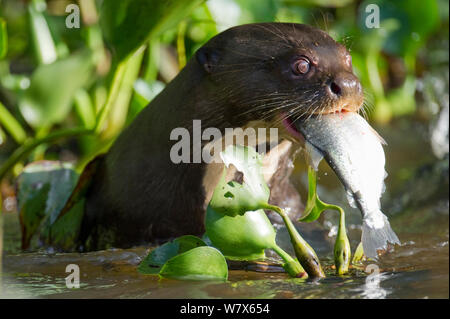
<point x="63" y="233"/>
<point x="49" y="97"/>
<point x="32" y="210"/>
<point x="158" y="257"/>
<point x="60" y="230"/>
<point x="235" y="222"/>
<point x="128" y="24"/>
<point x="233" y="198"/>
<point x="314" y="206"/>
<point x="240" y="237"/>
<point x="43" y="189"/>
<point x="249" y="162"/>
<point x="312" y="211"/>
<point x="201" y="263"/>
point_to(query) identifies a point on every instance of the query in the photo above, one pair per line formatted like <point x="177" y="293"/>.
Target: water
<point x="417" y="269"/>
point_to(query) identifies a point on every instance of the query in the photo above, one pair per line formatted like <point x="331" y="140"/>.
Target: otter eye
<point x="301" y="66"/>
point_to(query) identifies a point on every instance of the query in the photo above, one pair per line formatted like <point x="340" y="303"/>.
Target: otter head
<point x="278" y="73"/>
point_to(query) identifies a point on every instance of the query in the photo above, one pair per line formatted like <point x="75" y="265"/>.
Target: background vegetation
<point x="66" y="93"/>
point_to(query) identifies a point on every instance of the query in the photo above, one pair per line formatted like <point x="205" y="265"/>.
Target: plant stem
<point x="292" y="267"/>
<point x="342" y="251"/>
<point x="11" y="125"/>
<point x="27" y="147"/>
<point x="181" y="49"/>
<point x="304" y="252"/>
<point x="114" y="90"/>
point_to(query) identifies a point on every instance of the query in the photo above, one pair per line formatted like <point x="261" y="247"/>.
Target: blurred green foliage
<point x="85" y="84"/>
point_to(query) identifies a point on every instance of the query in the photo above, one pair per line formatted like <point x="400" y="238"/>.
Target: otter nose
<point x="345" y="85"/>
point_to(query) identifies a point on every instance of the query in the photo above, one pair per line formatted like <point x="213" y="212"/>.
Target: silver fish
<point x="353" y="149"/>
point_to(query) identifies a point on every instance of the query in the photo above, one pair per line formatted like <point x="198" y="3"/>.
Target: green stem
<point x="374" y="75"/>
<point x="292" y="267"/>
<point x="181" y="49"/>
<point x="304" y="252"/>
<point x="113" y="92"/>
<point x="342" y="250"/>
<point x="11" y="125"/>
<point x="26" y="148"/>
<point x="151" y="71"/>
<point x="120" y="91"/>
<point x="84" y="108"/>
<point x="3" y="38"/>
<point x="119" y="108"/>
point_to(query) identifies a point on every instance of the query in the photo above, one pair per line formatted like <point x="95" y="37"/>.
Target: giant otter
<point x="255" y="75"/>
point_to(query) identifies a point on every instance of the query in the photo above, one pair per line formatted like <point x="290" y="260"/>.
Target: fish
<point x="354" y="150"/>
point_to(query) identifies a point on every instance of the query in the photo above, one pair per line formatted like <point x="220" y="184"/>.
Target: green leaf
<point x="233" y="198"/>
<point x="31" y="209"/>
<point x="48" y="100"/>
<point x="117" y="106"/>
<point x="240" y="237"/>
<point x="235" y="222"/>
<point x="158" y="257"/>
<point x="43" y="43"/>
<point x="358" y="256"/>
<point x="63" y="233"/>
<point x="43" y="189"/>
<point x="127" y="24"/>
<point x="314" y="206"/>
<point x="3" y="39"/>
<point x="201" y="263"/>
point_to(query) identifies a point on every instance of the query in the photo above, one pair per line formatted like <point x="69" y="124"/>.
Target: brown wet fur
<point x="138" y="195"/>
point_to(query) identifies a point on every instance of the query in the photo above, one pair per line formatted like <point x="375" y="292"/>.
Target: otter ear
<point x="207" y="58"/>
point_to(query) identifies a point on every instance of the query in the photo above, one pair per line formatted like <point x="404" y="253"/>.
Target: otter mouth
<point x="339" y="109"/>
<point x="289" y="125"/>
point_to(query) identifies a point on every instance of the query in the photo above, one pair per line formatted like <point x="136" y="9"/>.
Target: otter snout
<point x="347" y="90"/>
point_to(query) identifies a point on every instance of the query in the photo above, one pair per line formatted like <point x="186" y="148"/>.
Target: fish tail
<point x="376" y="234"/>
